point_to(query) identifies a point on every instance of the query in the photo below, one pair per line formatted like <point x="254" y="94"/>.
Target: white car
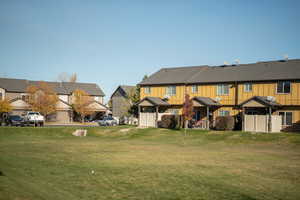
<point x="34" y="118"/>
<point x="108" y="121"/>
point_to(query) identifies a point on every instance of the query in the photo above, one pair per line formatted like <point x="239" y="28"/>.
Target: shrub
<point x="179" y="120"/>
<point x="168" y="121"/>
<point x="225" y="123"/>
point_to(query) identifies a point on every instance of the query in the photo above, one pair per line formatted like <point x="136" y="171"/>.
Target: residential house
<point x="120" y="100"/>
<point x="259" y="88"/>
<point x="15" y="91"/>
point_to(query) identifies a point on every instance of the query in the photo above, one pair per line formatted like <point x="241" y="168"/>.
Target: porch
<point x="150" y="110"/>
<point x="204" y="108"/>
<point x="257" y="115"/>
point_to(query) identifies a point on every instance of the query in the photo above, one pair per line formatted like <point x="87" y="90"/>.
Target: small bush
<point x="225" y="123"/>
<point x="168" y="121"/>
<point x="178" y="119"/>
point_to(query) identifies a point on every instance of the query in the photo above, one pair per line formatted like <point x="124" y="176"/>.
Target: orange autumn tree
<point x="187" y="110"/>
<point x="81" y="103"/>
<point x="5" y="107"/>
<point x="42" y="98"/>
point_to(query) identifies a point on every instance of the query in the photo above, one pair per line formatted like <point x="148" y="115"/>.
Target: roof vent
<point x="217" y="99"/>
<point x="237" y="61"/>
<point x="271" y="98"/>
<point x="286" y="58"/>
<point x="224" y="64"/>
<point x="166" y="97"/>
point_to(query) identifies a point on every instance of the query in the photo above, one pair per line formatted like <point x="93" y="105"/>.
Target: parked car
<point x="14" y="120"/>
<point x="108" y="121"/>
<point x="34" y="118"/>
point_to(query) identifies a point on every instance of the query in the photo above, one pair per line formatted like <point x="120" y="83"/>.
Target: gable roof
<point x="20" y="85"/>
<point x="262" y="100"/>
<point x="260" y="71"/>
<point x="156" y="101"/>
<point x="125" y="88"/>
<point x="96" y="102"/>
<point x="207" y="101"/>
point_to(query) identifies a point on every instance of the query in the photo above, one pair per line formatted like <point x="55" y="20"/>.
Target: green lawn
<point x="50" y="163"/>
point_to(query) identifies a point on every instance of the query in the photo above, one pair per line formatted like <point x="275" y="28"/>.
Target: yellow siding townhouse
<point x="259" y="88"/>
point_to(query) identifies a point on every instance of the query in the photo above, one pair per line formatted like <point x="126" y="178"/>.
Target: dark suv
<point x="15" y="120"/>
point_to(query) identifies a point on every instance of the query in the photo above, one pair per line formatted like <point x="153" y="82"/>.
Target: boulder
<point x="80" y="132"/>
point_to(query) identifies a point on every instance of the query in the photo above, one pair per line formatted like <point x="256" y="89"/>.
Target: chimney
<point x="237" y="61"/>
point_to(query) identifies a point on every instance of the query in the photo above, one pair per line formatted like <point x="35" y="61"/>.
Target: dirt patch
<point x="125" y="130"/>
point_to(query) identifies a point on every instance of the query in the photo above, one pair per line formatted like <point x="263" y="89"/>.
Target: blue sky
<point x="118" y="42"/>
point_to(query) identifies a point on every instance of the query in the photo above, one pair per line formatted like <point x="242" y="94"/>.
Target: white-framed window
<point x="224" y="113"/>
<point x="147" y="90"/>
<point x="248" y="87"/>
<point x="171" y="90"/>
<point x="287" y="118"/>
<point x="194" y="88"/>
<point x="283" y="87"/>
<point x="222" y="89"/>
<point x="96" y="98"/>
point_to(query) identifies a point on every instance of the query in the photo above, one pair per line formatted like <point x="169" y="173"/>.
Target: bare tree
<point x="66" y="77"/>
<point x="73" y="78"/>
<point x="63" y="77"/>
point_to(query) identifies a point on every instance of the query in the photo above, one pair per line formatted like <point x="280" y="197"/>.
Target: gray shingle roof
<point x="207" y="101"/>
<point x="261" y="71"/>
<point x="263" y="100"/>
<point x="155" y="101"/>
<point x="20" y="85"/>
<point x="127" y="88"/>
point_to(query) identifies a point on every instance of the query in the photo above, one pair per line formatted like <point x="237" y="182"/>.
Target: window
<point x="284" y="87"/>
<point x="222" y="89"/>
<point x="1" y="95"/>
<point x="224" y="113"/>
<point x="173" y="111"/>
<point x="194" y="88"/>
<point x="248" y="87"/>
<point x="171" y="90"/>
<point x="287" y="118"/>
<point x="147" y="90"/>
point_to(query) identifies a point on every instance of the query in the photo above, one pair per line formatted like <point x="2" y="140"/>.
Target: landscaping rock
<point x="80" y="132"/>
<point x="124" y="130"/>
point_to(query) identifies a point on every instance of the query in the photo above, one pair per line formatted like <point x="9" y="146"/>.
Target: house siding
<point x="120" y="104"/>
<point x="291" y="101"/>
<point x="12" y="95"/>
<point x="269" y="89"/>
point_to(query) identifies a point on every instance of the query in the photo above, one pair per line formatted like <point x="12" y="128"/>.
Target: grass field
<point x="117" y="163"/>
